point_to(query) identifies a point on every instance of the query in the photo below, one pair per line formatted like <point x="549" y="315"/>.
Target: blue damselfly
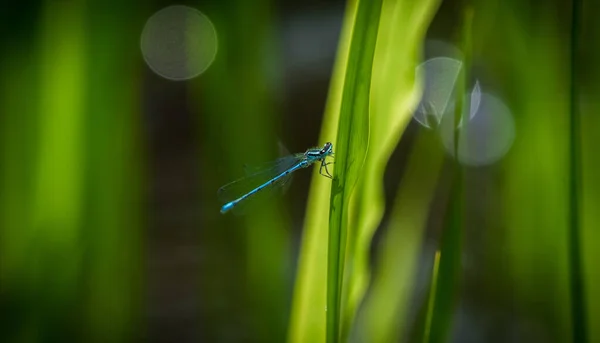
<point x="275" y="175"/>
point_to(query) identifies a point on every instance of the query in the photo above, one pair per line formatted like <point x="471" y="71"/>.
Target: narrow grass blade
<point x="446" y="292"/>
<point x="451" y="243"/>
<point x="431" y="301"/>
<point x="590" y="169"/>
<point x="590" y="221"/>
<point x="577" y="290"/>
<point x="308" y="317"/>
<point x="351" y="149"/>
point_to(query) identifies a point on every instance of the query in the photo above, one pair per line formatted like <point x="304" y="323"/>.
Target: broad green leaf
<point x="395" y="64"/>
<point x="394" y="94"/>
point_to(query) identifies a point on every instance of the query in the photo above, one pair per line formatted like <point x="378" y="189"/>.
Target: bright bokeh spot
<point x="179" y="42"/>
<point x="485" y="138"/>
<point x="439" y="76"/>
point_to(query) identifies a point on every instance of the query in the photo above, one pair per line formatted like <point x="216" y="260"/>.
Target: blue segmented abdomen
<point x="230" y="205"/>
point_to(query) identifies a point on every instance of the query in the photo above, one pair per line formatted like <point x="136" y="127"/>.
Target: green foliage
<point x="393" y="95"/>
<point x="351" y="149"/>
<point x="308" y="317"/>
<point x="73" y="179"/>
<point x="380" y="110"/>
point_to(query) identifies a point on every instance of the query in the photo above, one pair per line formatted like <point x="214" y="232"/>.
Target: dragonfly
<point x="275" y="175"/>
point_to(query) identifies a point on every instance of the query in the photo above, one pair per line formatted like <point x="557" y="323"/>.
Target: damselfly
<point x="276" y="174"/>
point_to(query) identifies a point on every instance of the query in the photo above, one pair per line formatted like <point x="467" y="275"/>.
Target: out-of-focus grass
<point x="41" y="240"/>
<point x="19" y="104"/>
<point x="448" y="276"/>
<point x="536" y="200"/>
<point x="239" y="126"/>
<point x="576" y="282"/>
<point x="588" y="76"/>
<point x="431" y="301"/>
<point x="529" y="250"/>
<point x="70" y="192"/>
<point x="590" y="198"/>
<point x="112" y="233"/>
<point x="384" y="316"/>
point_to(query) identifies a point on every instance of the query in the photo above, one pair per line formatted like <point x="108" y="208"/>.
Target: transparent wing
<point x="280" y="164"/>
<point x="256" y="176"/>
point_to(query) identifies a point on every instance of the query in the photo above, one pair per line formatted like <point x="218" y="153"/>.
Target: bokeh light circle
<point x="179" y="42"/>
<point x="485" y="138"/>
<point x="439" y="76"/>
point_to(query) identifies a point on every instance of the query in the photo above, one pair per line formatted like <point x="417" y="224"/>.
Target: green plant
<point x="372" y="92"/>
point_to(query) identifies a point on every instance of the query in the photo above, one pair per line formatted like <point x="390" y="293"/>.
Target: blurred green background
<point x="120" y="120"/>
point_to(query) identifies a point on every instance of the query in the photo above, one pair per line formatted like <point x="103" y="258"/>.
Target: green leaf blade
<point x="351" y="150"/>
